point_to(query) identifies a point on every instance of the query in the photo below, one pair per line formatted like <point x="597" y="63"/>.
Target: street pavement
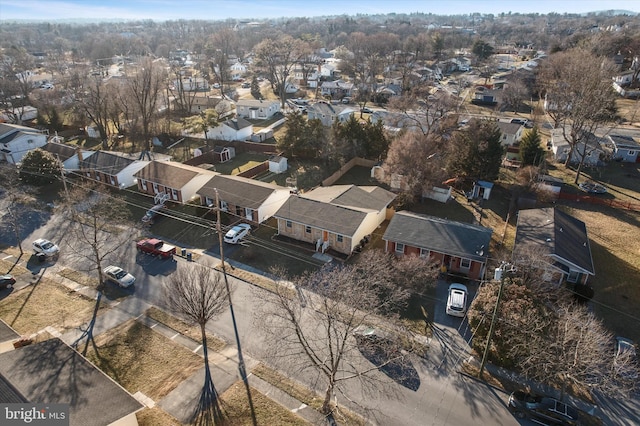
<point x="444" y="396"/>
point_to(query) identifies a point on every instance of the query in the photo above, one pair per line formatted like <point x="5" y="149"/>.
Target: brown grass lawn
<point x="46" y="303"/>
<point x="155" y="416"/>
<point x="181" y="327"/>
<point x="268" y="412"/>
<point x="143" y="360"/>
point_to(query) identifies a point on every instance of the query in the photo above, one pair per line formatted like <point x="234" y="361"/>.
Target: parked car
<point x="150" y="216"/>
<point x="457" y="300"/>
<point x="237" y="233"/>
<point x="216" y="85"/>
<point x="592" y="187"/>
<point x="7" y="280"/>
<point x="156" y="247"/>
<point x="46" y="247"/>
<point x="545" y="410"/>
<point x="47" y="86"/>
<point x="366" y="110"/>
<point x="246" y="85"/>
<point x="119" y="276"/>
<point x="625" y="360"/>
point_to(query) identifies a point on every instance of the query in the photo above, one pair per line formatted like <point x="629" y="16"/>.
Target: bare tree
<point x="579" y="97"/>
<point x="221" y="46"/>
<point x="16" y="195"/>
<point x="145" y="88"/>
<point x="98" y="231"/>
<point x="16" y="80"/>
<point x="415" y="157"/>
<point x="543" y="334"/>
<point x="276" y="57"/>
<point x="320" y="339"/>
<point x="429" y="114"/>
<point x="198" y="294"/>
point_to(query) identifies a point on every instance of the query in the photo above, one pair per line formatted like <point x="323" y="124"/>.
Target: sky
<point x="161" y="10"/>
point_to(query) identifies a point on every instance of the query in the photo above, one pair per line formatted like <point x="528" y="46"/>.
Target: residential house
<point x="589" y="148"/>
<point x="462" y="247"/>
<point x="69" y="156"/>
<point x="556" y="243"/>
<point x="484" y="96"/>
<point x="192" y="84"/>
<point x="51" y="372"/>
<point x="511" y="133"/>
<point x="19" y="114"/>
<point x="237" y="70"/>
<point x="328" y="113"/>
<point x="234" y="129"/>
<point x="248" y="199"/>
<point x="335" y="217"/>
<point x="115" y="169"/>
<point x="201" y="103"/>
<point x="337" y="89"/>
<point x="16" y="141"/>
<point x="257" y="109"/>
<point x="625" y="148"/>
<point x="176" y="181"/>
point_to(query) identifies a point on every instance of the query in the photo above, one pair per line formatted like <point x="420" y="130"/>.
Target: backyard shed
<point x="278" y="164"/>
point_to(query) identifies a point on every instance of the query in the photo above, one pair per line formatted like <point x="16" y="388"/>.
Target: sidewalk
<point x="223" y="365"/>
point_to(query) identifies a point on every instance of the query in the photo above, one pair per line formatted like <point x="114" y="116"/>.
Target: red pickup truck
<point x="156" y="247"/>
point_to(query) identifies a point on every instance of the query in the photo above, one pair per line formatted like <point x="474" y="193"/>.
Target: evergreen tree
<point x="39" y="167"/>
<point x="531" y="152"/>
<point x="255" y="88"/>
<point x="476" y="152"/>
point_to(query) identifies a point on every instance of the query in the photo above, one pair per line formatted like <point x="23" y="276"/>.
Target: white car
<point x="45" y="247"/>
<point x="457" y="300"/>
<point x="237" y="233"/>
<point x="119" y="276"/>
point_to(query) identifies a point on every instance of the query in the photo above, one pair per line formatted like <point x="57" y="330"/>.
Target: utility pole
<point x="493" y="319"/>
<point x="62" y="175"/>
<point x="241" y="366"/>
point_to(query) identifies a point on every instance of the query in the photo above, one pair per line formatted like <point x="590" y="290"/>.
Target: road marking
<point x="174" y="336"/>
<point x="7" y="257"/>
<point x="197" y="349"/>
<point x="154" y="325"/>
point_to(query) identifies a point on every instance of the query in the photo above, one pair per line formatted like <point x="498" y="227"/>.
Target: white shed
<point x="278" y="164"/>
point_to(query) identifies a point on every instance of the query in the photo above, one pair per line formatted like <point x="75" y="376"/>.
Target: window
<point x="307" y="229"/>
<point x="143" y="184"/>
<point x="339" y="238"/>
<point x="631" y="153"/>
<point x="288" y="224"/>
<point x="113" y="180"/>
<point x="174" y="194"/>
<point x="155" y="188"/>
<point x="400" y="248"/>
<point x="88" y="174"/>
<point x="424" y="253"/>
<point x="224" y="206"/>
<point x="98" y="178"/>
<point x="573" y="276"/>
<point x="465" y="263"/>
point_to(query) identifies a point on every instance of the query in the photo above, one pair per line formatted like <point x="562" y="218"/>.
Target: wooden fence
<point x="617" y="204"/>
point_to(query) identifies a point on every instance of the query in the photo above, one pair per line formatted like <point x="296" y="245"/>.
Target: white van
<point x="457" y="300"/>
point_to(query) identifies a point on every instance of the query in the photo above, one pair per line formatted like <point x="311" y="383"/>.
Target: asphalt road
<point x="439" y="394"/>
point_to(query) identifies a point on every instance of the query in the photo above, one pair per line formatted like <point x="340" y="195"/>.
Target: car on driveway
<point x="6" y="281"/>
<point x="545" y="410"/>
<point x="366" y="110"/>
<point x="46" y="247"/>
<point x="592" y="188"/>
<point x="457" y="300"/>
<point x="119" y="276"/>
<point x="237" y="233"/>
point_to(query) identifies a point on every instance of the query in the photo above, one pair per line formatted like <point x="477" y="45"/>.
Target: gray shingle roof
<point x="7" y="333"/>
<point x="440" y="235"/>
<point x="362" y="197"/>
<point x="238" y="190"/>
<point x="105" y="162"/>
<point x="52" y="372"/>
<point x="64" y="152"/>
<point x="169" y="173"/>
<point x="557" y="233"/>
<point x="338" y="219"/>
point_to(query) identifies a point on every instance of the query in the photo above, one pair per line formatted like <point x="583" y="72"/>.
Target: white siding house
<point x="236" y="129"/>
<point x="16" y="141"/>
